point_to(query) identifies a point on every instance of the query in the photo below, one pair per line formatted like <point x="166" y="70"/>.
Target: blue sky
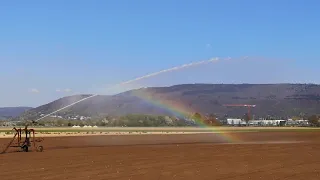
<point x="86" y="46"/>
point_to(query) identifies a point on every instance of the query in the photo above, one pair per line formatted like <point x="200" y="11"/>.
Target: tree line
<point x="130" y="120"/>
<point x="143" y="120"/>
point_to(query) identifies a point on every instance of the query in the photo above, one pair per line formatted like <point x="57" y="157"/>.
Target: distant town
<point x="76" y="117"/>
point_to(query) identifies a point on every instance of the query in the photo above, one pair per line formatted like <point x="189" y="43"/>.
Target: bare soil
<point x="251" y="155"/>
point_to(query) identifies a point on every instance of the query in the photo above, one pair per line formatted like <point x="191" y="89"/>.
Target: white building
<point x="236" y="122"/>
<point x="297" y="122"/>
<point x="277" y="122"/>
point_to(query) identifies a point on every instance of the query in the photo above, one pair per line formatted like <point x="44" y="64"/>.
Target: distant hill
<point x="10" y="112"/>
<point x="271" y="99"/>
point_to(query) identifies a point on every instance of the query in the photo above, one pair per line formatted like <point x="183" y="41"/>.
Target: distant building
<point x="278" y="122"/>
<point x="8" y="123"/>
<point x="301" y="122"/>
<point x="236" y="122"/>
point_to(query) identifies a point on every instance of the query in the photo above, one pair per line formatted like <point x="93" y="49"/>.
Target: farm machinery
<point x="24" y="139"/>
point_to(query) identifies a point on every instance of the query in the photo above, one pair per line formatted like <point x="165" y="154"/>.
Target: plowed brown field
<point x="263" y="155"/>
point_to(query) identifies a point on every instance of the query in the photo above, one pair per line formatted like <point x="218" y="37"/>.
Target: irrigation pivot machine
<point x="24" y="139"/>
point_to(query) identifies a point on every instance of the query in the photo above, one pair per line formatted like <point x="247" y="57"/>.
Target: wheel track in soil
<point x="169" y="160"/>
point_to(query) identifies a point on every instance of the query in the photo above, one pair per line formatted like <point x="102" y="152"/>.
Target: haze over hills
<point x="10" y="112"/>
<point x="271" y="99"/>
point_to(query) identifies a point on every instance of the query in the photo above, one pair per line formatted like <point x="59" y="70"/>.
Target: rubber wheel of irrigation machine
<point x="25" y="148"/>
<point x="40" y="148"/>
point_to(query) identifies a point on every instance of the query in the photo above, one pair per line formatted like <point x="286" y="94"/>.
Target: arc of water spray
<point x="137" y="79"/>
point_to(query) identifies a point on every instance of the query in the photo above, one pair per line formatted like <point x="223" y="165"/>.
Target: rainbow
<point x="180" y="109"/>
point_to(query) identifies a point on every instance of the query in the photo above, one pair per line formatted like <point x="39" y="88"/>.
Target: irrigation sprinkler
<point x="24" y="139"/>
